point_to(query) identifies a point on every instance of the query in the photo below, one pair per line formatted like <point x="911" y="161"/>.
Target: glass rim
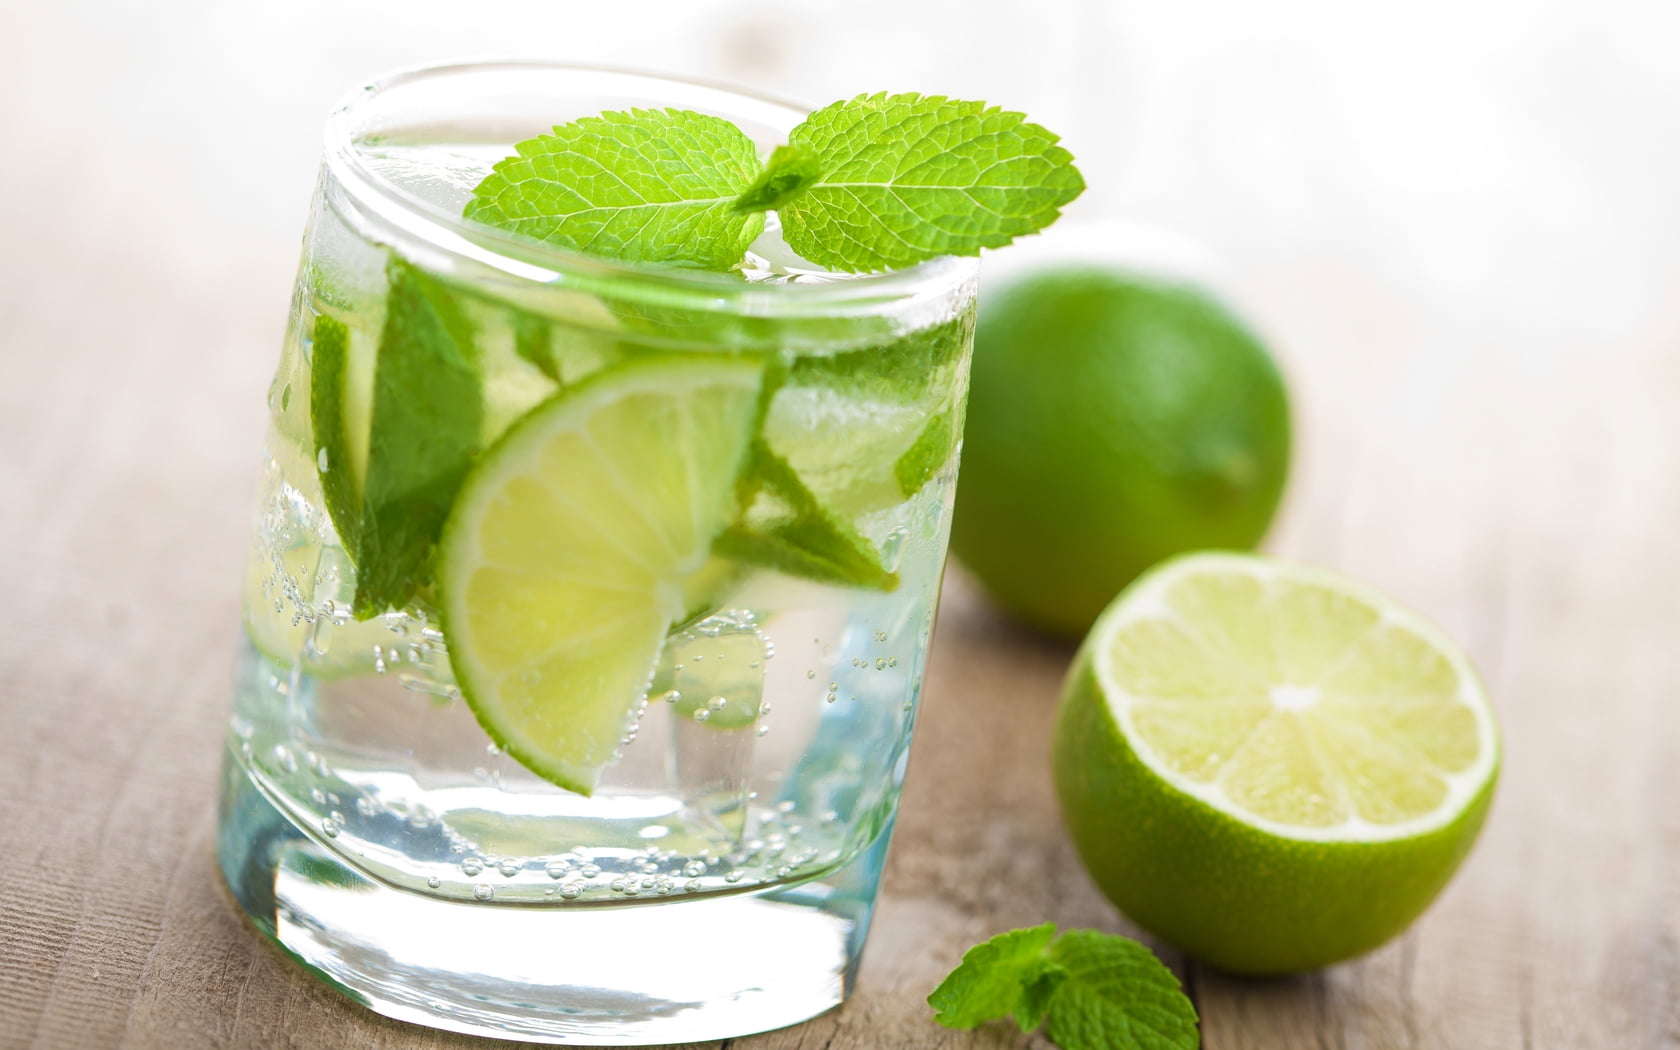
<point x="532" y="260"/>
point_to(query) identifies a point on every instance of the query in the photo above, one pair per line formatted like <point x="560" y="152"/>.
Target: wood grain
<point x="1485" y="373"/>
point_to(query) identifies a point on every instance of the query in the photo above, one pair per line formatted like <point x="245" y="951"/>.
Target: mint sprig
<point x="876" y="182"/>
<point x="1096" y="991"/>
<point x="647" y="185"/>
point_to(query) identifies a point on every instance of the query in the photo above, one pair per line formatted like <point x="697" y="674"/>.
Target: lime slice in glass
<point x="564" y="560"/>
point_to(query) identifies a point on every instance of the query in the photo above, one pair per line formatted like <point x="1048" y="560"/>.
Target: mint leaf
<point x="643" y="186"/>
<point x="901" y="371"/>
<point x="533" y="342"/>
<point x="1117" y="995"/>
<point x="424" y="433"/>
<point x="786" y="528"/>
<point x="1097" y="991"/>
<point x="989" y="983"/>
<point x="329" y="365"/>
<point x="932" y="447"/>
<point x="906" y="178"/>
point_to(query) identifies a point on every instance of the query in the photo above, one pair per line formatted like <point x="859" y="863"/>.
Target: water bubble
<point x="471" y="866"/>
<point x="434" y="882"/>
<point x="284" y="758"/>
<point x="321" y="462"/>
<point x="318" y="796"/>
<point x="762" y="731"/>
<point x="491" y="749"/>
<point x="631" y="889"/>
<point x="571" y="890"/>
<point x="617" y="885"/>
<point x="732" y="877"/>
<point x="557" y="869"/>
<point x="693" y="885"/>
<point x="783" y="872"/>
<point x="830" y="816"/>
<point x="892" y="661"/>
<point x="484" y="891"/>
<point x="880" y="663"/>
<point x="880" y="636"/>
<point x="329" y="828"/>
<point x="694" y="869"/>
<point x="671" y="696"/>
<point x="812" y="673"/>
<point x="335" y="816"/>
<point x="716" y="703"/>
<point x="764" y="708"/>
<point x="786" y="805"/>
<point x="830" y="697"/>
<point x="701" y="714"/>
<point x="590" y="871"/>
<point x="367" y="806"/>
<point x="834" y="687"/>
<point x="509" y="867"/>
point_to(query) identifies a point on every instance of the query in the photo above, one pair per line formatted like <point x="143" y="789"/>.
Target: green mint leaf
<point x="989" y="983"/>
<point x="930" y="451"/>
<point x="533" y="342"/>
<point x="906" y="178"/>
<point x="1117" y="996"/>
<point x="905" y="370"/>
<point x="328" y="369"/>
<point x="1096" y="990"/>
<point x="424" y="433"/>
<point x="786" y="528"/>
<point x="643" y="186"/>
<point x="790" y="172"/>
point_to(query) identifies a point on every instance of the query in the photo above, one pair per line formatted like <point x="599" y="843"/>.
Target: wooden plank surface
<point x="1485" y="370"/>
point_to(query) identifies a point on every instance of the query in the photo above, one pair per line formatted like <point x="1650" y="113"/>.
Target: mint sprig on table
<point x="1095" y="991"/>
<point x="877" y="182"/>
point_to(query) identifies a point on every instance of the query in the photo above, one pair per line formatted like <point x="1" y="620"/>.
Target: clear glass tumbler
<point x="676" y="832"/>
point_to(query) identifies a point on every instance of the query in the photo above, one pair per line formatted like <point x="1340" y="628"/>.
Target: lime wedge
<point x="564" y="560"/>
<point x="1273" y="766"/>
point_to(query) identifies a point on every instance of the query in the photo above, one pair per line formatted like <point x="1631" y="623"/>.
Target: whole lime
<point x="1114" y="419"/>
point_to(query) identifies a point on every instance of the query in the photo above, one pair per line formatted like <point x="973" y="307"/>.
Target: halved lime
<point x="564" y="559"/>
<point x="1270" y="765"/>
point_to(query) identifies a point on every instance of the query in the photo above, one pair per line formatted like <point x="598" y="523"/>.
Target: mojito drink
<point x="588" y="605"/>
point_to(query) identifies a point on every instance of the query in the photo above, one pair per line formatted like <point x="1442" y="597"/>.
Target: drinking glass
<point x="717" y="876"/>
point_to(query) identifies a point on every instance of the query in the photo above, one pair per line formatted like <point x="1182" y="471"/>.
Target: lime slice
<point x="563" y="562"/>
<point x="1271" y="765"/>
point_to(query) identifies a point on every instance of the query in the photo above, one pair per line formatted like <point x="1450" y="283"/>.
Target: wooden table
<point x="1488" y="430"/>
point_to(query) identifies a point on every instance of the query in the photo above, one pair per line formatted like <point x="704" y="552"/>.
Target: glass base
<point x="656" y="972"/>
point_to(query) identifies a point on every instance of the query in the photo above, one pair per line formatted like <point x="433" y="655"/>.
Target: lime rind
<point x="1149" y="600"/>
<point x="563" y="563"/>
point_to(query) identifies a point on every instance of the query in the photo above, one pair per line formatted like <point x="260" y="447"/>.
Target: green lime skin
<point x="1113" y="420"/>
<point x="1236" y="897"/>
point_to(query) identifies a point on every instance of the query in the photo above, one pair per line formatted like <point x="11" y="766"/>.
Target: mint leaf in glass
<point x="424" y="432"/>
<point x="906" y="178"/>
<point x="785" y="527"/>
<point x="1095" y="990"/>
<point x="646" y="185"/>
